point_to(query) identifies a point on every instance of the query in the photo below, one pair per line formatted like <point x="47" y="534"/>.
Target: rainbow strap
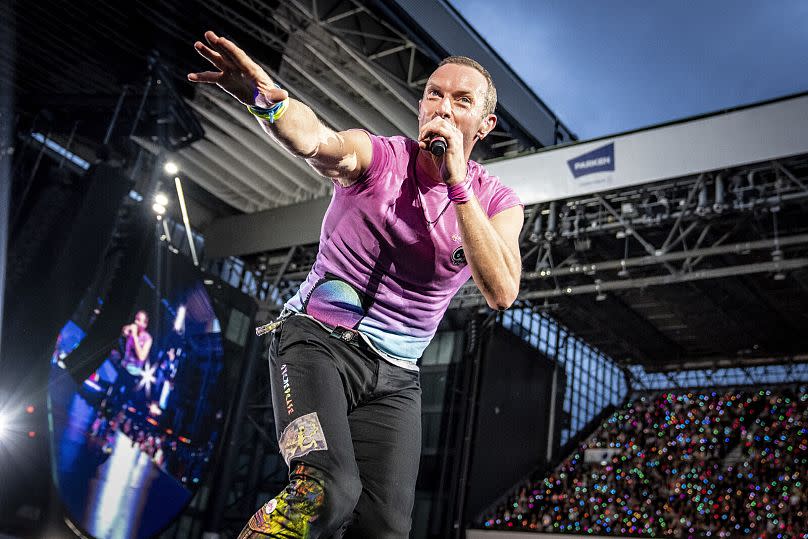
<point x="271" y="114"/>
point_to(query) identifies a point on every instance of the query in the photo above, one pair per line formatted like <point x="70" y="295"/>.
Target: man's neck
<point x="427" y="168"/>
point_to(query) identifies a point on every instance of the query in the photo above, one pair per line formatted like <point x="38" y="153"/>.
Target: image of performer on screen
<point x="138" y="341"/>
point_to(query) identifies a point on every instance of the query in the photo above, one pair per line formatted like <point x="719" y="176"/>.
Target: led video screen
<point x="133" y="441"/>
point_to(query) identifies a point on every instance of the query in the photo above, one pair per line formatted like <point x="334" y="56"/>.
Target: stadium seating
<point x="679" y="464"/>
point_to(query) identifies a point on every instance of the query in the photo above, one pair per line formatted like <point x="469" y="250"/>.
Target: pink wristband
<point x="461" y="192"/>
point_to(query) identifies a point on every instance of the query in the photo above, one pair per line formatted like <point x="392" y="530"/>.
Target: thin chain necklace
<point x="429" y="224"/>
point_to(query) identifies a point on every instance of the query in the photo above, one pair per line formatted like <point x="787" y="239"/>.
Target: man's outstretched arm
<point x="342" y="156"/>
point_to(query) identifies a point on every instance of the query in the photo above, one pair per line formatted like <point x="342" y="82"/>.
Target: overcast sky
<point x="606" y="66"/>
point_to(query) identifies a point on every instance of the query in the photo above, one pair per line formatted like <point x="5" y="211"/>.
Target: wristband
<point x="271" y="114"/>
<point x="461" y="192"/>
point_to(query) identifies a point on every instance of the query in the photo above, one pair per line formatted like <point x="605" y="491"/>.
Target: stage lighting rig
<point x="171" y="168"/>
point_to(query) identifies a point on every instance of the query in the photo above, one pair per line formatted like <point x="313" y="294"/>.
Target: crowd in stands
<point x="686" y="464"/>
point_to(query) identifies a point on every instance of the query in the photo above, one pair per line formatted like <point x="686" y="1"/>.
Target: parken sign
<point x="598" y="160"/>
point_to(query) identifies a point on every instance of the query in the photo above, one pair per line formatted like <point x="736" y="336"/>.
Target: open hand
<point x="238" y="74"/>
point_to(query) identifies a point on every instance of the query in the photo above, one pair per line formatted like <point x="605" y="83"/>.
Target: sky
<point x="608" y="66"/>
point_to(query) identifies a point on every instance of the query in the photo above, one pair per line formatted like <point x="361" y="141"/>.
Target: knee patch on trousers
<point x="291" y="513"/>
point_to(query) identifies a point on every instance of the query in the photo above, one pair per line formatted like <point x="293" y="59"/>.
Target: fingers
<point x="210" y="55"/>
<point x="208" y="77"/>
<point x="436" y="127"/>
<point x="239" y="75"/>
<point x="230" y="51"/>
<point x="211" y="36"/>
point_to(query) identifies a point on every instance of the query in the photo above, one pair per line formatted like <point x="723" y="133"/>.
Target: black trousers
<point x="349" y="426"/>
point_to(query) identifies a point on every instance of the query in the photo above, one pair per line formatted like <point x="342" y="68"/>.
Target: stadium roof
<point x="357" y="63"/>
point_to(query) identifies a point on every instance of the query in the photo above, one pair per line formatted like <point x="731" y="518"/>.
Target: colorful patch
<point x="459" y="257"/>
<point x="270" y="506"/>
<point x="289" y="514"/>
<point x="336" y="303"/>
<point x="301" y="437"/>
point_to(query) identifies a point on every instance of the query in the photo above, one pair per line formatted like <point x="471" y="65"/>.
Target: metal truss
<point x="761" y="373"/>
<point x="259" y="471"/>
<point x="668" y="232"/>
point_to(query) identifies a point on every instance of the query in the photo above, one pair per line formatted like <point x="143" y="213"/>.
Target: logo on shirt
<point x="598" y="160"/>
<point x="459" y="257"/>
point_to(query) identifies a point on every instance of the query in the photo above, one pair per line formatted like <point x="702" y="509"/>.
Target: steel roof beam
<point x="236" y="145"/>
<point x="204" y="178"/>
<point x="293" y="167"/>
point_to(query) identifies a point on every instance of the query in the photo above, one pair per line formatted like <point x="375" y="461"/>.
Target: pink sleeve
<point x="502" y="199"/>
<point x="380" y="161"/>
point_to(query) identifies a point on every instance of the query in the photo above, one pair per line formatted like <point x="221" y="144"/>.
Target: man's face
<point x="456" y="93"/>
<point x="141" y="320"/>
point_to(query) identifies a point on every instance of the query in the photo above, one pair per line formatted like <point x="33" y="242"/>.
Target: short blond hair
<point x="490" y="103"/>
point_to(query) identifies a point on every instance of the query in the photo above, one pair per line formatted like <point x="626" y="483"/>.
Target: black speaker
<point x="512" y="421"/>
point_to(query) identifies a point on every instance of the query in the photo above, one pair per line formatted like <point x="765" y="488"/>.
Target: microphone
<point x="438" y="146"/>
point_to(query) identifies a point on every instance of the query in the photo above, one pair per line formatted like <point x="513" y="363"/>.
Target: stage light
<point x="3" y="425"/>
<point x="30" y="409"/>
<point x="179" y="320"/>
<point x="601" y="296"/>
<point x="171" y="168"/>
<point x="161" y="199"/>
<point x="159" y="209"/>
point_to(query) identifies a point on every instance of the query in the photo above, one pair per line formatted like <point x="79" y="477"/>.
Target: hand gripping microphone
<point x="438" y="146"/>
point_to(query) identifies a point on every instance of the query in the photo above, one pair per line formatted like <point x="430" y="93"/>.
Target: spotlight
<point x="171" y="168"/>
<point x="3" y="425"/>
<point x="159" y="209"/>
<point x="601" y="296"/>
<point x="161" y="199"/>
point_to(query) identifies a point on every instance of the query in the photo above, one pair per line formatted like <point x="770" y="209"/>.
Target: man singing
<point x="138" y="341"/>
<point x="404" y="231"/>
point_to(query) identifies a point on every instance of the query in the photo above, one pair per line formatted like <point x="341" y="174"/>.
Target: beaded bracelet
<point x="271" y="114"/>
<point x="461" y="192"/>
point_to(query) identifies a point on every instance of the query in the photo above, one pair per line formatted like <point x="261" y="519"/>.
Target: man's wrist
<point x="460" y="192"/>
<point x="268" y="110"/>
<point x="455" y="181"/>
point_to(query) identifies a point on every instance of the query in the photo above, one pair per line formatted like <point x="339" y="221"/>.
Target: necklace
<point x="429" y="224"/>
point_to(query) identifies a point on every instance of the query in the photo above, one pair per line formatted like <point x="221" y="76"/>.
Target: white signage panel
<point x="754" y="134"/>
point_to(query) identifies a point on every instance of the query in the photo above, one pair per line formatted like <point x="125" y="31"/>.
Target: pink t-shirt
<point x="382" y="269"/>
